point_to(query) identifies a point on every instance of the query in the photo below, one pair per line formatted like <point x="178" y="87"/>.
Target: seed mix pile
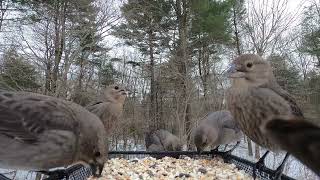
<point x="170" y="168"/>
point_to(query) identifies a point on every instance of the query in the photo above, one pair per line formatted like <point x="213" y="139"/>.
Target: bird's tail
<point x="299" y="137"/>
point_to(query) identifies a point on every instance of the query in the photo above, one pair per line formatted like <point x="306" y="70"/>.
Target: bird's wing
<point x="24" y="116"/>
<point x="286" y="96"/>
<point x="229" y="123"/>
<point x="298" y="137"/>
<point x="98" y="108"/>
<point x="104" y="111"/>
<point x="266" y="100"/>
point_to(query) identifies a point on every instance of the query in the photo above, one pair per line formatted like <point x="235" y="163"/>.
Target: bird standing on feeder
<point x="255" y="98"/>
<point x="162" y="140"/>
<point x="215" y="129"/>
<point x="39" y="132"/>
<point x="109" y="106"/>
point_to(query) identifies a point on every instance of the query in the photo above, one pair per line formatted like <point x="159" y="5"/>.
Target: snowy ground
<point x="293" y="167"/>
<point x="18" y="175"/>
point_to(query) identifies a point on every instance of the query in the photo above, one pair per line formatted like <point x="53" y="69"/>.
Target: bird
<point x="215" y="129"/>
<point x="297" y="136"/>
<point x="156" y="148"/>
<point x="39" y="132"/>
<point x="109" y="106"/>
<point x="162" y="140"/>
<point x="254" y="98"/>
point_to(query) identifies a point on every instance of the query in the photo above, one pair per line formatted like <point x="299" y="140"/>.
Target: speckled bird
<point x="109" y="105"/>
<point x="39" y="132"/>
<point x="256" y="98"/>
<point x="215" y="129"/>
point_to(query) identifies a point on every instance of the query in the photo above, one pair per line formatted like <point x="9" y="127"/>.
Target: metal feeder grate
<point x="80" y="172"/>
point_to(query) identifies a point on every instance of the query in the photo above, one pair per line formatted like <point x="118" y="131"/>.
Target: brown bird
<point x="39" y="132"/>
<point x="215" y="129"/>
<point x="255" y="98"/>
<point x="109" y="106"/>
<point x="299" y="137"/>
<point x="162" y="140"/>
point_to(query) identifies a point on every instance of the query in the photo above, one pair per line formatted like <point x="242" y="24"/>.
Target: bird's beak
<point x="233" y="72"/>
<point x="124" y="92"/>
<point x="96" y="169"/>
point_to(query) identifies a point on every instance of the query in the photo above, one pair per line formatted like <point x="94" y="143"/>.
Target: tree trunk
<point x="62" y="89"/>
<point x="59" y="23"/>
<point x="160" y="109"/>
<point x="48" y="63"/>
<point x="182" y="62"/>
<point x="89" y="79"/>
<point x="125" y="140"/>
<point x="48" y="77"/>
<point x="3" y="10"/>
<point x="204" y="68"/>
<point x="81" y="74"/>
<point x="152" y="111"/>
<point x="236" y="31"/>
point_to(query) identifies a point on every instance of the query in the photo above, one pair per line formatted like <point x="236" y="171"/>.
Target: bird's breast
<point x="250" y="112"/>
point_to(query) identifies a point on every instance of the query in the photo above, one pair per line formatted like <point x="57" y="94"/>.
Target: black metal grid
<point x="76" y="172"/>
<point x="3" y="177"/>
<point x="79" y="172"/>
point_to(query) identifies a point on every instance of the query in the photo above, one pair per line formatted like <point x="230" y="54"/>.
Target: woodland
<point x="171" y="54"/>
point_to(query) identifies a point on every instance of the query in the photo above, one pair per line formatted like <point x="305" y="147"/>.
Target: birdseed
<point x="170" y="168"/>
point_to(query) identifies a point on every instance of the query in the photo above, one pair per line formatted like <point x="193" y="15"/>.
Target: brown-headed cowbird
<point x="39" y="132"/>
<point x="162" y="140"/>
<point x="215" y="129"/>
<point x="109" y="106"/>
<point x="255" y="98"/>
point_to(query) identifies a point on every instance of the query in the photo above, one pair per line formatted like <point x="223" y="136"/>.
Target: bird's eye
<point x="249" y="65"/>
<point x="97" y="154"/>
<point x="116" y="87"/>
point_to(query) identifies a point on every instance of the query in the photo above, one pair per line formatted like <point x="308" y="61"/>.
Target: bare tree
<point x="266" y="22"/>
<point x="182" y="58"/>
<point x="4" y="5"/>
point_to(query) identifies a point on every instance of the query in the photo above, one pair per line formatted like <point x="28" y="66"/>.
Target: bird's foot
<point x="258" y="166"/>
<point x="216" y="149"/>
<point x="226" y="153"/>
<point x="277" y="173"/>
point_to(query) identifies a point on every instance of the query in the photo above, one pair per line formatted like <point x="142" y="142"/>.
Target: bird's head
<point x="200" y="140"/>
<point x="95" y="158"/>
<point x="116" y="93"/>
<point x="97" y="163"/>
<point x="93" y="145"/>
<point x="250" y="70"/>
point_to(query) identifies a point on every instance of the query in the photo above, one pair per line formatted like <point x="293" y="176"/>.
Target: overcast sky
<point x="294" y="6"/>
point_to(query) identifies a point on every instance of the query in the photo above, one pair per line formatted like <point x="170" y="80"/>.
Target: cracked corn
<point x="171" y="168"/>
